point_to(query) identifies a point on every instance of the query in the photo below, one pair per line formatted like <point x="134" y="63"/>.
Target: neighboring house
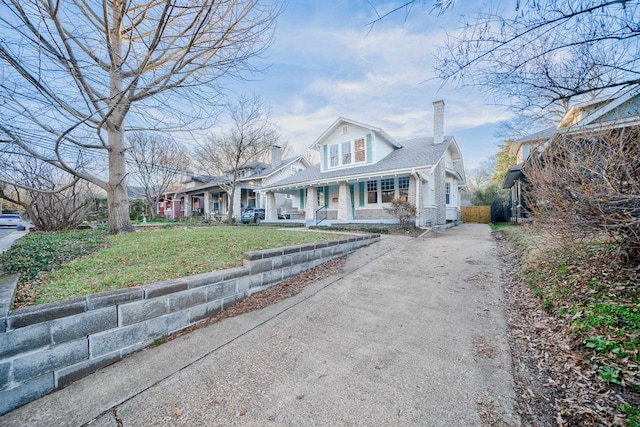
<point x="176" y="203"/>
<point x="362" y="169"/>
<point x="617" y="111"/>
<point x="209" y="198"/>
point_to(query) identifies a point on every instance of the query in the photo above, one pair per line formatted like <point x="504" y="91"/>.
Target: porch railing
<point x="321" y="214"/>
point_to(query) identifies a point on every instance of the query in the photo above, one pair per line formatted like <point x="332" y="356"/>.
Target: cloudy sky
<point x="326" y="62"/>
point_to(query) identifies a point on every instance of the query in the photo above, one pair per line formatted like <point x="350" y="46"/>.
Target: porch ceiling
<point x="514" y="174"/>
<point x="340" y="180"/>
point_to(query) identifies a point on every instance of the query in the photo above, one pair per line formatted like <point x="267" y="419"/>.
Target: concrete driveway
<point x="412" y="333"/>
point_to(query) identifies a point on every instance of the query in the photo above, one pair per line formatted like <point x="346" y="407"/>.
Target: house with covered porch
<point x="362" y="169"/>
<point x="615" y="111"/>
<point x="208" y="196"/>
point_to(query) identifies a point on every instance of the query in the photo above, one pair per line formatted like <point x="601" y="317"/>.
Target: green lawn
<point x="146" y="257"/>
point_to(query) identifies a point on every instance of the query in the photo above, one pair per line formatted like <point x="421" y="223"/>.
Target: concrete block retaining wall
<point x="47" y="346"/>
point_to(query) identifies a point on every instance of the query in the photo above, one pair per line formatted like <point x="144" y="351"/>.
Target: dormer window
<point x="347" y="153"/>
<point x="333" y="155"/>
<point x="359" y="150"/>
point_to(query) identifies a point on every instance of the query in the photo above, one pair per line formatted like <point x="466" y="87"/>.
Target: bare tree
<point x="543" y="53"/>
<point x="157" y="161"/>
<point x="481" y="176"/>
<point x="485" y="181"/>
<point x="587" y="186"/>
<point x="74" y="72"/>
<point x="53" y="199"/>
<point x="536" y="55"/>
<point x="252" y="136"/>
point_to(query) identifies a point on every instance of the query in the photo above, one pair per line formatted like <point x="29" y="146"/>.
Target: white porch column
<point x="187" y="206"/>
<point x="311" y="205"/>
<point x="207" y="205"/>
<point x="237" y="197"/>
<point x="271" y="213"/>
<point x="345" y="212"/>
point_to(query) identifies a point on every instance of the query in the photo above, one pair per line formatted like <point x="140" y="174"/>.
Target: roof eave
<point x="355" y="177"/>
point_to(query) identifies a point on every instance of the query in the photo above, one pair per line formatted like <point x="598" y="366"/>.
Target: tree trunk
<point x="153" y="209"/>
<point x="231" y="199"/>
<point x="117" y="198"/>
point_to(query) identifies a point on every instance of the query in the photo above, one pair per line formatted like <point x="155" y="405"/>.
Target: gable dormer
<point x="347" y="144"/>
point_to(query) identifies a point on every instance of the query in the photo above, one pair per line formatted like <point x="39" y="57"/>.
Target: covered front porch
<point x="355" y="201"/>
<point x="207" y="202"/>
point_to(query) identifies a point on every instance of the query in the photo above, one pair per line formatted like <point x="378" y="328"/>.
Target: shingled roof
<point x="415" y="153"/>
<point x="266" y="169"/>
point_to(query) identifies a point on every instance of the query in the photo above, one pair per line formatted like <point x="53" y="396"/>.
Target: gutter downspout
<point x="417" y="177"/>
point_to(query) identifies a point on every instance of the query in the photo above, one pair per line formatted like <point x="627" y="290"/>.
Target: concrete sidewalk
<point x="7" y="241"/>
<point x="412" y="333"/>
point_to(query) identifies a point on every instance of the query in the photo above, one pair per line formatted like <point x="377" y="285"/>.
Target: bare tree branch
<point x="253" y="134"/>
<point x="547" y="51"/>
<point x="77" y="71"/>
<point x="158" y="161"/>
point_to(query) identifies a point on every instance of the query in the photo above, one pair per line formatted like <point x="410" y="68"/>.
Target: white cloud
<point x="327" y="65"/>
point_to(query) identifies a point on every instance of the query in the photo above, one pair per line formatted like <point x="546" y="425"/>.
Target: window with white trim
<point x="372" y="192"/>
<point x="403" y="188"/>
<point x="387" y="190"/>
<point x="359" y="150"/>
<point x="447" y="192"/>
<point x="346" y="153"/>
<point x="334" y="159"/>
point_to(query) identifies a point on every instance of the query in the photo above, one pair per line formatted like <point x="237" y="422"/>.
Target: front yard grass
<point x="83" y="263"/>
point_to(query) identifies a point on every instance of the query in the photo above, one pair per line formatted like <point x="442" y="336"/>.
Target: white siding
<point x="379" y="148"/>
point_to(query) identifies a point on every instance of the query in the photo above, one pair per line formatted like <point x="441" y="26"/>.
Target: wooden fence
<point x="478" y="214"/>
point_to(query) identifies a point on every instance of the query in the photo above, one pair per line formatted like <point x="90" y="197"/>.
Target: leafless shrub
<point x="52" y="199"/>
<point x="403" y="210"/>
<point x="587" y="187"/>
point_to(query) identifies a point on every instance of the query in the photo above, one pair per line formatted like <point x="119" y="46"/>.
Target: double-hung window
<point x="403" y="188"/>
<point x="372" y="192"/>
<point x="359" y="150"/>
<point x="346" y="153"/>
<point x="387" y="189"/>
<point x="334" y="159"/>
<point x="447" y="192"/>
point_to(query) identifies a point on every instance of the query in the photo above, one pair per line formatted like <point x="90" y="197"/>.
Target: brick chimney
<point x="276" y="155"/>
<point x="438" y="122"/>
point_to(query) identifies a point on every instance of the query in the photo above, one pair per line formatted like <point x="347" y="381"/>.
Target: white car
<point x="10" y="220"/>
